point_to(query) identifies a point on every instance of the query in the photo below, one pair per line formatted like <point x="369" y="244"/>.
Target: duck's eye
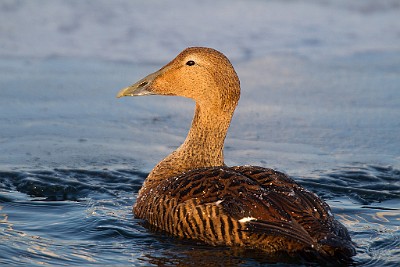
<point x="190" y="63"/>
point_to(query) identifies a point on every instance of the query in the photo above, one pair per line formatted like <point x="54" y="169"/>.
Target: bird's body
<point x="192" y="194"/>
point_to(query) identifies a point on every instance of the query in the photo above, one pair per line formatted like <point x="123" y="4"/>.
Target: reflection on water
<point x="83" y="217"/>
<point x="366" y="200"/>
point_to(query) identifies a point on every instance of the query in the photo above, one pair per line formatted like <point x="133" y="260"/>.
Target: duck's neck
<point x="203" y="146"/>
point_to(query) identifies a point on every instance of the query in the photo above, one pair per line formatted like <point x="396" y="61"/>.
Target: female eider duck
<point x="193" y="194"/>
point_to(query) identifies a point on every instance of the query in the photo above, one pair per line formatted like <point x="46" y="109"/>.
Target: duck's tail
<point x="334" y="246"/>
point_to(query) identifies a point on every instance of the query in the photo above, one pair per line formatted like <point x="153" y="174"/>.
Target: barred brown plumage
<point x="192" y="194"/>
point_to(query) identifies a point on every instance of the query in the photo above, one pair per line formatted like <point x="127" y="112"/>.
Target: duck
<point x="193" y="194"/>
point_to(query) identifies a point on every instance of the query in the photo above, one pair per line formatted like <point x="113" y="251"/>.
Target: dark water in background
<point x="320" y="101"/>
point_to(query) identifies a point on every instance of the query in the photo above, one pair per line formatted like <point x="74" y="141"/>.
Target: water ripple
<point x="84" y="217"/>
<point x="69" y="184"/>
<point x="364" y="184"/>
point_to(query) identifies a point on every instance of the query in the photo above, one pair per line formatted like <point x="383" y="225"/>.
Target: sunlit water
<point x="320" y="101"/>
<point x="83" y="217"/>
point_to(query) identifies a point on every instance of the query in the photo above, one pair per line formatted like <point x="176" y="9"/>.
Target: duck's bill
<point x="133" y="91"/>
<point x="140" y="88"/>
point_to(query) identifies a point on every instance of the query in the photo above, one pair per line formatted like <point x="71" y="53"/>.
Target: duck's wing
<point x="289" y="197"/>
<point x="222" y="205"/>
<point x="250" y="191"/>
<point x="305" y="209"/>
<point x="265" y="176"/>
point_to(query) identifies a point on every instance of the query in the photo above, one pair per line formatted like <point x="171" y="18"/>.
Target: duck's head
<point x="200" y="73"/>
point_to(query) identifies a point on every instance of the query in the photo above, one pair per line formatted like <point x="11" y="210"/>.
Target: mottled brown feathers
<point x="192" y="194"/>
<point x="208" y="204"/>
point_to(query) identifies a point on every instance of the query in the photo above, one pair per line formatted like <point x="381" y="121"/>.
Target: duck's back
<point x="246" y="206"/>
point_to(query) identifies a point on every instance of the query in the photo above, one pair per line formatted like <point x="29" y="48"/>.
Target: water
<point x="83" y="217"/>
<point x="320" y="101"/>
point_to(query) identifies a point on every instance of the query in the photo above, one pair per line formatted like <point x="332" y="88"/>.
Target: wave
<point x="69" y="184"/>
<point x="365" y="184"/>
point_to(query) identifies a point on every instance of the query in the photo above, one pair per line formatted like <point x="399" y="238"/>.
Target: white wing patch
<point x="218" y="202"/>
<point x="246" y="219"/>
